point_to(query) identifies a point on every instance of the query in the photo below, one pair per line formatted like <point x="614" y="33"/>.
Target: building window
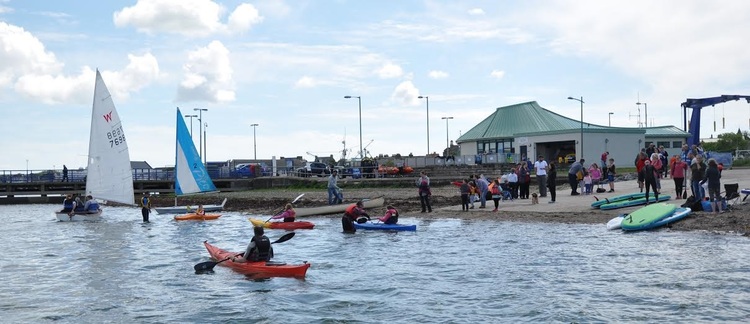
<point x="660" y="144"/>
<point x="677" y="144"/>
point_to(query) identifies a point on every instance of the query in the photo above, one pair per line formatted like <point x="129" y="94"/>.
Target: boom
<point x="695" y="120"/>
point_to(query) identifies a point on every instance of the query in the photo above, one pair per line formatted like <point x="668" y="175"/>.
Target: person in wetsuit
<point x="354" y="213"/>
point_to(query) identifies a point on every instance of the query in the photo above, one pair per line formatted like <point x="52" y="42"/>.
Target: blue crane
<point x="695" y="118"/>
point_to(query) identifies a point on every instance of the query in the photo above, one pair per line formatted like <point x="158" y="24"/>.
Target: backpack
<point x="693" y="203"/>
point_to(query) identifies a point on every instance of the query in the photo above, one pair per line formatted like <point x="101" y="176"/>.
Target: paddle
<point x="209" y="265"/>
<point x="293" y="201"/>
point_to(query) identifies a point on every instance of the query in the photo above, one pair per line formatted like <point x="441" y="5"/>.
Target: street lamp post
<point x="361" y="152"/>
<point x="200" y="129"/>
<point x="645" y="108"/>
<point x="205" y="147"/>
<point x="255" y="148"/>
<point x="447" y="147"/>
<point x="191" y="124"/>
<point x="581" y="101"/>
<point x="427" y="100"/>
<point x="610" y="118"/>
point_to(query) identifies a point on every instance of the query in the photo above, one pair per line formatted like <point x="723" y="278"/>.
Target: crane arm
<point x="696" y="105"/>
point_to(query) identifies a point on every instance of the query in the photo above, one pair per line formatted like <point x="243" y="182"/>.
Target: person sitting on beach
<point x="288" y="214"/>
<point x="259" y="249"/>
<point x="390" y="217"/>
<point x="91" y="206"/>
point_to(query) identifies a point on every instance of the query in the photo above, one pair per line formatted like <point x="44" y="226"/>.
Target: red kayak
<point x="289" y="226"/>
<point x="261" y="269"/>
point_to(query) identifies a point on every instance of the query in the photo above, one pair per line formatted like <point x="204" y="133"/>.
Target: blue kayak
<point x="385" y="227"/>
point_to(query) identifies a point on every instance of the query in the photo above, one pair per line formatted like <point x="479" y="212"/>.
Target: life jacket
<point x="290" y="215"/>
<point x="393" y="219"/>
<point x="68" y="204"/>
<point x="93" y="206"/>
<point x="262" y="250"/>
<point x="350" y="210"/>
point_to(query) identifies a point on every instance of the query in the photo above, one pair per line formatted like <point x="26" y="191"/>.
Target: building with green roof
<point x="529" y="130"/>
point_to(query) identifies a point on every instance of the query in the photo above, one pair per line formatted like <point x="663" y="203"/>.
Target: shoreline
<point x="446" y="204"/>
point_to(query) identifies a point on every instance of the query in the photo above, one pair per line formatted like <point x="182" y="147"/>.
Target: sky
<point x="287" y="65"/>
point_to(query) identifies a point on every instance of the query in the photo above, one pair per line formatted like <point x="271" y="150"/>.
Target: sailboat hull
<point x="79" y="216"/>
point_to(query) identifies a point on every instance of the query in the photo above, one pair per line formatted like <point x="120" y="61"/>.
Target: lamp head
<point x="421" y="97"/>
<point x="571" y="98"/>
<point x="347" y="97"/>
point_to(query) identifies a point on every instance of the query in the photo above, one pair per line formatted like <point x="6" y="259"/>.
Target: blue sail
<point x="191" y="175"/>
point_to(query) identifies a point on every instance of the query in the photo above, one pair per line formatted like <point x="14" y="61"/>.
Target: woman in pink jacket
<point x="677" y="170"/>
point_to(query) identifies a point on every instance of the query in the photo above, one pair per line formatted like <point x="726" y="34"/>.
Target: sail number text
<point x="116" y="137"/>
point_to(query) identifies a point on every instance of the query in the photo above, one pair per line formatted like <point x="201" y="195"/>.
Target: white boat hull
<point x="79" y="216"/>
<point x="184" y="209"/>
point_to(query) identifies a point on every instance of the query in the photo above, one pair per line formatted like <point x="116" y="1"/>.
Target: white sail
<point x="191" y="175"/>
<point x="109" y="175"/>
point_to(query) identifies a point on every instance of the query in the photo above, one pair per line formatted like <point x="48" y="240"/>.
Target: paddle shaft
<point x="293" y="201"/>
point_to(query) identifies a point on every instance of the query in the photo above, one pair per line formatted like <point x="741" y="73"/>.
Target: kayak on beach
<point x="646" y="217"/>
<point x="634" y="202"/>
<point x="599" y="202"/>
<point x="289" y="226"/>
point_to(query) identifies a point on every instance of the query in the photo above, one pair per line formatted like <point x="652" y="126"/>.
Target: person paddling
<point x="288" y="214"/>
<point x="259" y="249"/>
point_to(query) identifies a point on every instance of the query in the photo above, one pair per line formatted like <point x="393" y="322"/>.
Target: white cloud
<point x="22" y="53"/>
<point x="406" y="93"/>
<point x="244" y="17"/>
<point x="435" y="74"/>
<point x="497" y="74"/>
<point x="305" y="82"/>
<point x="208" y="75"/>
<point x="273" y="8"/>
<point x="77" y="89"/>
<point x="192" y="18"/>
<point x="389" y="71"/>
<point x="476" y="12"/>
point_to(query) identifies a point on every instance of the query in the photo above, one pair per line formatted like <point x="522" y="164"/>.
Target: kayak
<point x="289" y="226"/>
<point x="385" y="227"/>
<point x="645" y="217"/>
<point x="615" y="223"/>
<point x="633" y="202"/>
<point x="258" y="269"/>
<point x="609" y="200"/>
<point x="194" y="216"/>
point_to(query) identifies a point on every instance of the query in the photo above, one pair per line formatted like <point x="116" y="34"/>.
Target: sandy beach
<point x="446" y="203"/>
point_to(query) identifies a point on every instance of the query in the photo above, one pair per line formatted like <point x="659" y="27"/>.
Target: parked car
<point x="314" y="168"/>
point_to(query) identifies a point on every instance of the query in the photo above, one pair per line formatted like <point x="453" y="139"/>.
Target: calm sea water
<point x="449" y="271"/>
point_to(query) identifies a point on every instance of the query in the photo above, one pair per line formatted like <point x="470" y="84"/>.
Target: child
<point x="390" y="217"/>
<point x="588" y="183"/>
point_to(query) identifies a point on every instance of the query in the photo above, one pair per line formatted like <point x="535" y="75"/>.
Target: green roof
<point x="526" y="119"/>
<point x="665" y="131"/>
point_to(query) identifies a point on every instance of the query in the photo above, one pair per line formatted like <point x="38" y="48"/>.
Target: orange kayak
<point x="257" y="269"/>
<point x="289" y="226"/>
<point x="194" y="216"/>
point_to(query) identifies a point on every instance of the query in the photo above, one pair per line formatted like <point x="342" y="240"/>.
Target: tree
<point x="729" y="142"/>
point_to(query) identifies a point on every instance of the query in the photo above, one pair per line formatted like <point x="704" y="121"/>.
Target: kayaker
<point x="354" y="213"/>
<point x="145" y="206"/>
<point x="200" y="210"/>
<point x="390" y="217"/>
<point x="259" y="249"/>
<point x="288" y="214"/>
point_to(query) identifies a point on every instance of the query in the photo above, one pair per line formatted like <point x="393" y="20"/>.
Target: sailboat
<point x="191" y="176"/>
<point x="109" y="176"/>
